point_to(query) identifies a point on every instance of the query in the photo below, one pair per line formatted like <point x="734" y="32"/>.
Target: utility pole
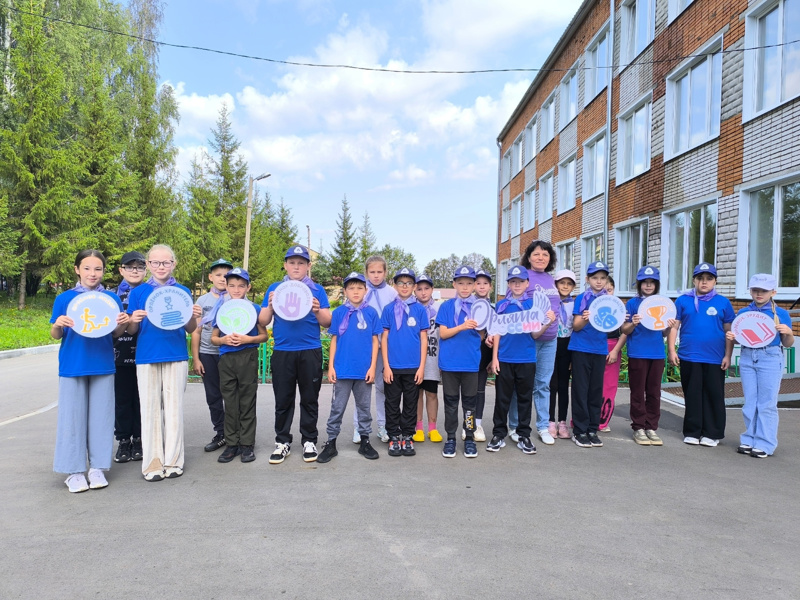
<point x="246" y="261"/>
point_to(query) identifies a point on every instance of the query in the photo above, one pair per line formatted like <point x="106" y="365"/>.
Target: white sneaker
<point x="546" y="438"/>
<point x="479" y="434"/>
<point x="704" y="441"/>
<point x="382" y="435"/>
<point x="97" y="479"/>
<point x="514" y="435"/>
<point x="356" y="436"/>
<point x="309" y="452"/>
<point x="76" y="483"/>
<point x="693" y="441"/>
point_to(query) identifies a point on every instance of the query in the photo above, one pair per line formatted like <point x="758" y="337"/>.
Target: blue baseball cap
<point x="238" y="272"/>
<point x="425" y="279"/>
<point x="648" y="272"/>
<point x="483" y="273"/>
<point x="354" y="277"/>
<point x="300" y="251"/>
<point x="705" y="268"/>
<point x="464" y="271"/>
<point x="405" y="272"/>
<point x="596" y="267"/>
<point x="517" y="272"/>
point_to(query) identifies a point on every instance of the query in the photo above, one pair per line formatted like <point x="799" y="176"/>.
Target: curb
<point x="26" y="351"/>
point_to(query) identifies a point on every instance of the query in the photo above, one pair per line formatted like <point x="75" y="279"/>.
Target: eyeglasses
<point x="404" y="283"/>
<point x="134" y="269"/>
<point x="161" y="263"/>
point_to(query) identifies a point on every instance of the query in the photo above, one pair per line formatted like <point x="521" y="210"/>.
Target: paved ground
<point x="617" y="522"/>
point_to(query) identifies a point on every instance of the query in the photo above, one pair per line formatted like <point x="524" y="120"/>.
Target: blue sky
<point x="418" y="152"/>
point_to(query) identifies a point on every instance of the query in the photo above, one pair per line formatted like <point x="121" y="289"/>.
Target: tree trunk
<point x="22" y="277"/>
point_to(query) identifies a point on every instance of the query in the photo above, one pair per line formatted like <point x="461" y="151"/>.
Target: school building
<point x="686" y="149"/>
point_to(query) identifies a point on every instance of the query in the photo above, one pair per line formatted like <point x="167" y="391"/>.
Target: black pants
<point x="127" y="416"/>
<point x="704" y="395"/>
<point x="559" y="382"/>
<point x="463" y="386"/>
<point x="587" y="391"/>
<point x="238" y="372"/>
<point x="514" y="377"/>
<point x="301" y="369"/>
<point x="401" y="422"/>
<point x="216" y="405"/>
<point x="483" y="375"/>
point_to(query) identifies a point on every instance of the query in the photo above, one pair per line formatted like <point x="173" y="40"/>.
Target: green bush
<point x="25" y="328"/>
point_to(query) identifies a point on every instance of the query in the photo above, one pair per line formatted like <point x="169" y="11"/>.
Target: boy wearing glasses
<point x="127" y="418"/>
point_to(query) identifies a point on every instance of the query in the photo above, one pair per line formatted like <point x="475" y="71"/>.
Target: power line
<point x="383" y="69"/>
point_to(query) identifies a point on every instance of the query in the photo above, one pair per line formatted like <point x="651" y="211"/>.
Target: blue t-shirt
<point x="462" y="352"/>
<point x="702" y="338"/>
<point x="517" y="347"/>
<point x="643" y="342"/>
<point x="783" y="317"/>
<point x="302" y="334"/>
<point x="156" y="345"/>
<point x="79" y="355"/>
<point x="403" y="344"/>
<point x="225" y="349"/>
<point x="354" y="348"/>
<point x="588" y="339"/>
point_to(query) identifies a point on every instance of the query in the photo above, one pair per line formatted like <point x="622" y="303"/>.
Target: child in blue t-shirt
<point x="703" y="317"/>
<point x="559" y="383"/>
<point x="645" y="362"/>
<point x="404" y="345"/>
<point x="429" y="390"/>
<point x="459" y="361"/>
<point x="589" y="347"/>
<point x="761" y="370"/>
<point x="162" y="369"/>
<point x="238" y="374"/>
<point x="353" y="356"/>
<point x="296" y="359"/>
<point x="86" y="368"/>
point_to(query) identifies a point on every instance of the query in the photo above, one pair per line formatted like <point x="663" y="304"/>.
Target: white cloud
<point x="199" y="113"/>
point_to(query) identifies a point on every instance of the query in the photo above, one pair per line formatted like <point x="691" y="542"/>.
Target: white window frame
<point x="590" y="91"/>
<point x="589" y="153"/>
<point x="713" y="98"/>
<point x="631" y="12"/>
<point x="548" y="120"/>
<point x="506" y="167"/>
<point x="529" y="209"/>
<point x="586" y="240"/>
<point x="545" y="216"/>
<point x="561" y="249"/>
<point x="645" y="101"/>
<point x="622" y="251"/>
<point x="516" y="155"/>
<point x="565" y="202"/>
<point x="505" y="218"/>
<point x="675" y="9"/>
<point x="667" y="286"/>
<point x="502" y="273"/>
<point x="516" y="220"/>
<point x="531" y="130"/>
<point x="751" y="59"/>
<point x="567" y="83"/>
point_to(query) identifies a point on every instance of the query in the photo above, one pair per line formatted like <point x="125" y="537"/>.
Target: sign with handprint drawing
<point x="606" y="313"/>
<point x="169" y="307"/>
<point x="754" y="329"/>
<point x="292" y="300"/>
<point x="95" y="314"/>
<point x="236" y="316"/>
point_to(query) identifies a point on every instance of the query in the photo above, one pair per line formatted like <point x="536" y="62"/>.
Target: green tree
<point x="396" y="259"/>
<point x="286" y="227"/>
<point x="268" y="242"/>
<point x="367" y="242"/>
<point x="343" y="253"/>
<point x="441" y="270"/>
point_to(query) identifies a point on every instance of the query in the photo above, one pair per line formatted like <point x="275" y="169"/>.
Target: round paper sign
<point x="607" y="313"/>
<point x="236" y="316"/>
<point x="655" y="311"/>
<point x="94" y="313"/>
<point x="481" y="312"/>
<point x="754" y="329"/>
<point x="292" y="300"/>
<point x="169" y="307"/>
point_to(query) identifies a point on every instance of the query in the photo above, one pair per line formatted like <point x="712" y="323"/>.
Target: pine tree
<point x="269" y="242"/>
<point x="343" y="253"/>
<point x="366" y="241"/>
<point x="207" y="226"/>
<point x="286" y="227"/>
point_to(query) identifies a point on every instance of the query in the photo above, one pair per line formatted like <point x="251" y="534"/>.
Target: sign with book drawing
<point x="526" y="321"/>
<point x="754" y="329"/>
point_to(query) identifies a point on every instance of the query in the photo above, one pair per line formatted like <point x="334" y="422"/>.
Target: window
<point x="630" y="254"/>
<point x="777" y="59"/>
<point x="676" y="7"/>
<point x="546" y="198"/>
<point x="506" y="168"/>
<point x="504" y="224"/>
<point x="530" y="140"/>
<point x="592" y="249"/>
<point x="634" y="134"/>
<point x="548" y="116"/>
<point x="566" y="185"/>
<point x="594" y="168"/>
<point x="502" y="273"/>
<point x="693" y="104"/>
<point x="569" y="98"/>
<point x="528" y="216"/>
<point x="638" y="23"/>
<point x="515" y="207"/>
<point x="516" y="156"/>
<point x="692" y="240"/>
<point x="565" y="254"/>
<point x="597" y="71"/>
<point x="775" y="233"/>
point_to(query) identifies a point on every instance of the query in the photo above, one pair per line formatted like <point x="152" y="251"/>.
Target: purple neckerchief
<point x="80" y="289"/>
<point x="307" y="280"/>
<point x="152" y="281"/>
<point x="463" y="305"/>
<point x="429" y="308"/>
<point x="123" y="288"/>
<point x="372" y="290"/>
<point x="212" y="314"/>
<point x="350" y="310"/>
<point x="401" y="307"/>
<point x="693" y="293"/>
<point x="563" y="317"/>
<point x="503" y="305"/>
<point x="589" y="295"/>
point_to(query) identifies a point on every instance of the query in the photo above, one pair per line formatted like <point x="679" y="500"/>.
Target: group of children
<point x="397" y="340"/>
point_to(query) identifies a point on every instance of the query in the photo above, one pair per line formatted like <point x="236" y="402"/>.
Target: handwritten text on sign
<point x="526" y="321"/>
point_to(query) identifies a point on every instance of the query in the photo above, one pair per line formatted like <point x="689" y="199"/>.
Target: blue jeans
<point x="545" y="363"/>
<point x="761" y="370"/>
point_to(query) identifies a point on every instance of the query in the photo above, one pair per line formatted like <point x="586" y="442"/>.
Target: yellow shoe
<point x="419" y="436"/>
<point x="434" y="436"/>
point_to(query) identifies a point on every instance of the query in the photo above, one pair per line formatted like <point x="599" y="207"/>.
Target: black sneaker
<point x="328" y="451"/>
<point x="595" y="441"/>
<point x="247" y="454"/>
<point x="366" y="449"/>
<point x="309" y="451"/>
<point x="449" y="450"/>
<point x="124" y="452"/>
<point x="395" y="448"/>
<point x="581" y="440"/>
<point x="744" y="449"/>
<point x="495" y="444"/>
<point x="470" y="449"/>
<point x="408" y="446"/>
<point x="136" y="449"/>
<point x="756" y="453"/>
<point x="230" y="453"/>
<point x="280" y="453"/>
<point x="526" y="445"/>
<point x="216" y="443"/>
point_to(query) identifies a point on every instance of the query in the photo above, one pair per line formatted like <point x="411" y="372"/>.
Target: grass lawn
<point x="27" y="328"/>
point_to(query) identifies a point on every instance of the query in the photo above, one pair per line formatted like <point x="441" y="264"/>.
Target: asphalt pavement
<point x="621" y="521"/>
